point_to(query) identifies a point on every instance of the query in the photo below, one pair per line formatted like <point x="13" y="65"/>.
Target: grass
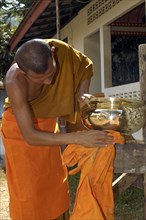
<point x="130" y="205"/>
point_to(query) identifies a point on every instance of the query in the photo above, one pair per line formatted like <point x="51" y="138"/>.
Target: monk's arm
<point x="84" y="88"/>
<point x="17" y="95"/>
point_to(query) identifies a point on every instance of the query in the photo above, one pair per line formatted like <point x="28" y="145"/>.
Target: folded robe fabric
<point x="94" y="196"/>
<point x="36" y="175"/>
<point x="59" y="99"/>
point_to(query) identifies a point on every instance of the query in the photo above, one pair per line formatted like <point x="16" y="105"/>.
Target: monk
<point x="45" y="82"/>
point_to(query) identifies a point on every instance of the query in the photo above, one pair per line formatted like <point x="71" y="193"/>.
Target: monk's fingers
<point x="93" y="138"/>
<point x="102" y="137"/>
<point x="101" y="134"/>
<point x="86" y="97"/>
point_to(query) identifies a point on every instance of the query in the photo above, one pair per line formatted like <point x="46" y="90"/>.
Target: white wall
<point x="79" y="31"/>
<point x="94" y="40"/>
<point x="92" y="50"/>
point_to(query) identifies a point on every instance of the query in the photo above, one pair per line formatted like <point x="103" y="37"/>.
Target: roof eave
<point x="30" y="17"/>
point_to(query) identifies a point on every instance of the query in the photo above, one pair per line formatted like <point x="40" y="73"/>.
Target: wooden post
<point x="142" y="72"/>
<point x="130" y="158"/>
<point x="57" y="19"/>
<point x="124" y="181"/>
<point x="61" y="121"/>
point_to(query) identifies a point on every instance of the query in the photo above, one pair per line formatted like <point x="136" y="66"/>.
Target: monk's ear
<point x="20" y="70"/>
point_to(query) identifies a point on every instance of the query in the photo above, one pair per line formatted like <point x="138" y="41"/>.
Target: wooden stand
<point x="130" y="159"/>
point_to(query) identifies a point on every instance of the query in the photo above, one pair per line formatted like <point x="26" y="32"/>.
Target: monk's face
<point x="46" y="77"/>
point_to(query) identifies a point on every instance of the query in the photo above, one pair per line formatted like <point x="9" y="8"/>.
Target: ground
<point x="129" y="206"/>
<point x="4" y="197"/>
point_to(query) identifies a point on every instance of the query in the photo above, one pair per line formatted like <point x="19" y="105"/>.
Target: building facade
<point x="109" y="32"/>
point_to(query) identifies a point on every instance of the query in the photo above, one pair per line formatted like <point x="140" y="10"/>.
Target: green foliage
<point x="11" y="13"/>
<point x="130" y="205"/>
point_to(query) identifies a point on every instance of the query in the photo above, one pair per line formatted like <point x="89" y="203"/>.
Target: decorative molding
<point x="116" y="24"/>
<point x="99" y="8"/>
<point x="128" y="33"/>
<point x="131" y="90"/>
<point x="127" y="95"/>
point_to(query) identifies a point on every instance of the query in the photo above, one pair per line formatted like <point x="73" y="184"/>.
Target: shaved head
<point x="33" y="55"/>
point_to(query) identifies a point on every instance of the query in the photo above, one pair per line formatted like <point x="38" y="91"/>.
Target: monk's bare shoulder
<point x="14" y="76"/>
<point x="15" y="84"/>
<point x="13" y="73"/>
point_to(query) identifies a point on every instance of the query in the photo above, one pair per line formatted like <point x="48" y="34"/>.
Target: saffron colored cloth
<point x="36" y="175"/>
<point x="60" y="98"/>
<point x="94" y="196"/>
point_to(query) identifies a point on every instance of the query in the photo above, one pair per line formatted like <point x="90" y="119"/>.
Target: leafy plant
<point x="11" y="13"/>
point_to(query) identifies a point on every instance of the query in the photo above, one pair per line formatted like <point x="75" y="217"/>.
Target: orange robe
<point x="40" y="168"/>
<point x="94" y="196"/>
<point x="36" y="175"/>
<point x="59" y="99"/>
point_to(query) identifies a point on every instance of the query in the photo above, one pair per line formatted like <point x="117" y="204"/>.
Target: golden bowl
<point x="124" y="115"/>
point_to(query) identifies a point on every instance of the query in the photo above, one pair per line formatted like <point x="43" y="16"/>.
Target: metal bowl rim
<point x="130" y="100"/>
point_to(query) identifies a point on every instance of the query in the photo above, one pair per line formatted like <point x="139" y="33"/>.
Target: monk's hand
<point x="84" y="100"/>
<point x="93" y="138"/>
